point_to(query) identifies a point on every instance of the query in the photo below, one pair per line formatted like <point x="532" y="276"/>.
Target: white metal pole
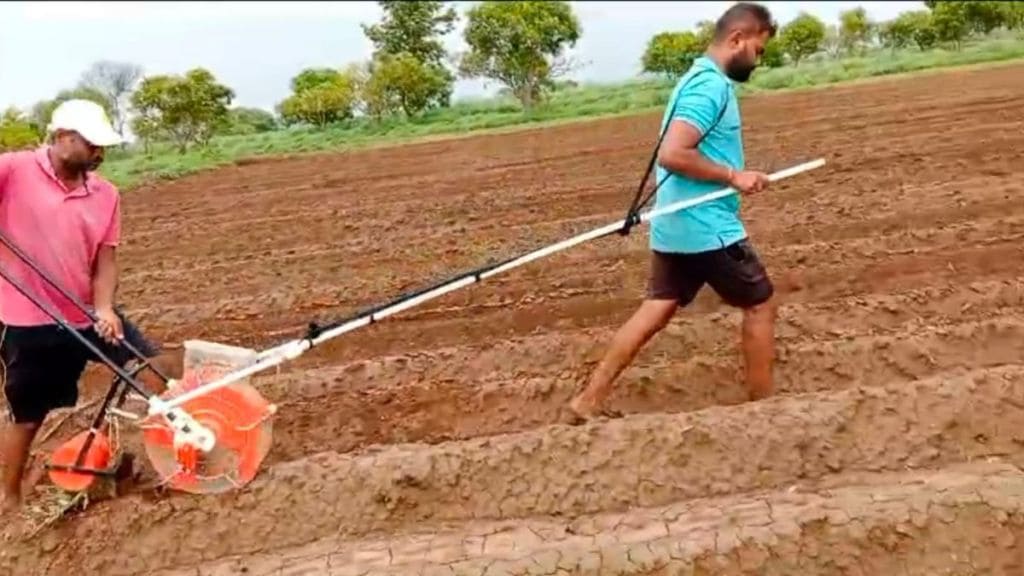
<point x="296" y="348"/>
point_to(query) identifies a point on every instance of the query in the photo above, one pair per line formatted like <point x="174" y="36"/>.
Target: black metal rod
<point x="82" y="339"/>
<point x="98" y="419"/>
<point x="80" y="470"/>
<point x="124" y="394"/>
<point x="78" y="303"/>
<point x="115" y="385"/>
<point x="80" y="459"/>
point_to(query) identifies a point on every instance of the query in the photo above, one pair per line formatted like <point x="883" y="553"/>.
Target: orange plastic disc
<point x="96" y="458"/>
<point x="239" y="418"/>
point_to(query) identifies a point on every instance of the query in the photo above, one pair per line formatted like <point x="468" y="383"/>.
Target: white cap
<point x="88" y="119"/>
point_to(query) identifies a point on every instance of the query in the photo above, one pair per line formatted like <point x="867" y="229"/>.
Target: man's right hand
<point x="109" y="326"/>
<point x="749" y="181"/>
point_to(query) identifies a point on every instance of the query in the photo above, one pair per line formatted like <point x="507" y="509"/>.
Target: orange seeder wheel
<point x="240" y="420"/>
<point x="96" y="458"/>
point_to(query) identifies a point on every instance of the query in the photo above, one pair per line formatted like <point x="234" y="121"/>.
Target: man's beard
<point x="85" y="165"/>
<point x="738" y="70"/>
<point x="82" y="169"/>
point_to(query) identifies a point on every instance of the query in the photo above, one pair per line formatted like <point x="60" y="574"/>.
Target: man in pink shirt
<point x="67" y="219"/>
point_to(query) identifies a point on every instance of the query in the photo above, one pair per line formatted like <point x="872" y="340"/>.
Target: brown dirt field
<point x="432" y="442"/>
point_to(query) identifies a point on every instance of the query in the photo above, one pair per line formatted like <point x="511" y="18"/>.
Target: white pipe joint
<point x="186" y="429"/>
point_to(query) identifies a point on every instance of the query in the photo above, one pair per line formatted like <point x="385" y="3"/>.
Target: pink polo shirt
<point x="60" y="229"/>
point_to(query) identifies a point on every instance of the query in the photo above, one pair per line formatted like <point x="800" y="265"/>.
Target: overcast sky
<point x="256" y="47"/>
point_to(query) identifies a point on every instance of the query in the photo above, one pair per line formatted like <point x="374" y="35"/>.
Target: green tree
<point x="705" y="34"/>
<point x="832" y="44"/>
<point x="949" y="19"/>
<point x="17" y="131"/>
<point x="115" y="81"/>
<point x="187" y="109"/>
<point x="408" y="40"/>
<point x="313" y="77"/>
<point x="773" y="56"/>
<point x="898" y="32"/>
<point x="243" y="121"/>
<point x="321" y="96"/>
<point x="414" y="28"/>
<point x="924" y="30"/>
<point x="671" y="53"/>
<point x="1014" y="16"/>
<point x="802" y="36"/>
<point x="855" y="30"/>
<point x="985" y="16"/>
<point x="520" y="44"/>
<point x="147" y="103"/>
<point x="402" y="84"/>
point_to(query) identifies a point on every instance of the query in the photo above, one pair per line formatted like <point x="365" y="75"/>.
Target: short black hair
<point x="745" y="13"/>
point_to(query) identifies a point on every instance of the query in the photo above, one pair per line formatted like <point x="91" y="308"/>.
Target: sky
<point x="257" y="47"/>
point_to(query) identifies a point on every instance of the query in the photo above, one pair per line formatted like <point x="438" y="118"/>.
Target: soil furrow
<point x="961" y="520"/>
<point x="361" y="406"/>
<point x="476" y="389"/>
<point x="650" y="460"/>
<point x="567" y="212"/>
<point x="550" y="352"/>
<point x="428" y="326"/>
<point x="530" y="299"/>
<point x="842" y="242"/>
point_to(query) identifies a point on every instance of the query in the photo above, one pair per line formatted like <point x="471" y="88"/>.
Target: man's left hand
<point x="109" y="325"/>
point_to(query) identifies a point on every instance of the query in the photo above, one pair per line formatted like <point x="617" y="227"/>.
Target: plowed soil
<point x="433" y="442"/>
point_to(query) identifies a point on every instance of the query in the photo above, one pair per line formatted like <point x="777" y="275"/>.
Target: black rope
<point x="632" y="217"/>
<point x="633" y="214"/>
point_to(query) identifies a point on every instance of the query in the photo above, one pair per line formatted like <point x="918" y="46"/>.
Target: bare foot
<point x="581" y="411"/>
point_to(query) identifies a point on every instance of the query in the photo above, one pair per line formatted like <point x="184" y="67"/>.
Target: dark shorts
<point x="734" y="272"/>
<point x="43" y="364"/>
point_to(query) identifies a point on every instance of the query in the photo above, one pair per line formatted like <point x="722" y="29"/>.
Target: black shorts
<point x="734" y="272"/>
<point x="42" y="365"/>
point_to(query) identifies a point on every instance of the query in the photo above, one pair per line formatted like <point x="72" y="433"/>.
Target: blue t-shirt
<point x="698" y="99"/>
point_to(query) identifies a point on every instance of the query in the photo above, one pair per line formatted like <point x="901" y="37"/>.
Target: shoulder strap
<point x="632" y="215"/>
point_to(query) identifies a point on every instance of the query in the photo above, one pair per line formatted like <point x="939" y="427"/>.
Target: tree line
<point x="520" y="44"/>
<point x="672" y="53"/>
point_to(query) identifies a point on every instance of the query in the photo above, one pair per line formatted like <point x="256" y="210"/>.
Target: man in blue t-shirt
<point x="703" y="152"/>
